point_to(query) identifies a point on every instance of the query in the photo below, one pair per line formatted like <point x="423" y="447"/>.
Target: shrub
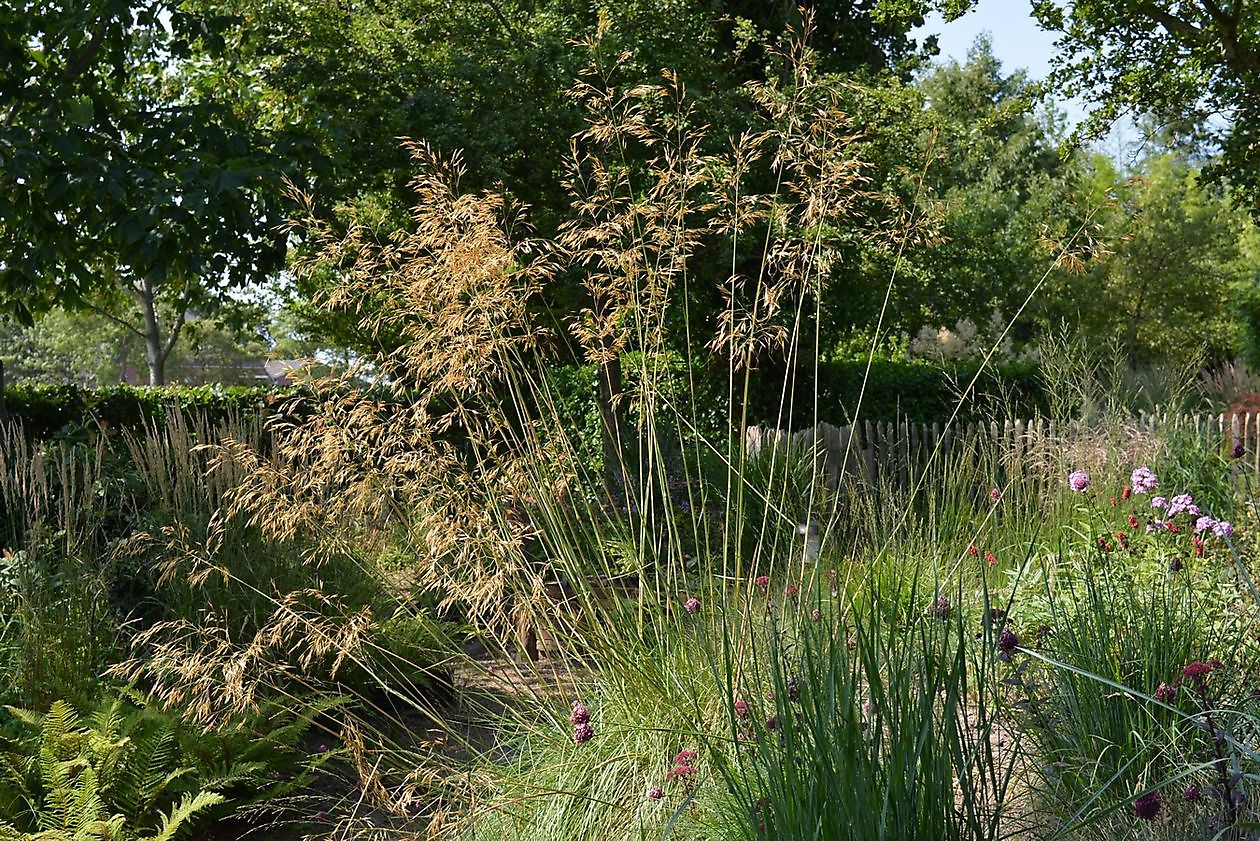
<point x="47" y="411"/>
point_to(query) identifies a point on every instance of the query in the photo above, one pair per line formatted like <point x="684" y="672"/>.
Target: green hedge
<point x="49" y="411"/>
<point x="897" y="390"/>
<point x="917" y="391"/>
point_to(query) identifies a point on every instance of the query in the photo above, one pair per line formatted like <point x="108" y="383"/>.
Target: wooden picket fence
<point x="895" y="452"/>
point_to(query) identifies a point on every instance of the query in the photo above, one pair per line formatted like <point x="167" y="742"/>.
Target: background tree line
<point x="152" y="151"/>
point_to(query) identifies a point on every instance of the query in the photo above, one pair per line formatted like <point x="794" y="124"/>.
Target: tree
<point x="492" y="81"/>
<point x="998" y="171"/>
<point x="1177" y="264"/>
<point x="1174" y="59"/>
<point x="133" y="180"/>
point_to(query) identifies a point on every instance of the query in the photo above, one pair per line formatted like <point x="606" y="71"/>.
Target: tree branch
<point x="80" y="63"/>
<point x="120" y="322"/>
<point x="175" y="330"/>
<point x="1175" y="25"/>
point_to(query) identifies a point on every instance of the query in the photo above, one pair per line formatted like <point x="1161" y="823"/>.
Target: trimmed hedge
<point x="917" y="391"/>
<point x="900" y="390"/>
<point x="50" y="411"/>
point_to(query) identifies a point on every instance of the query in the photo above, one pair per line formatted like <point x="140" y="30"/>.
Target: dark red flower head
<point x="1196" y="671"/>
<point x="1008" y="640"/>
<point x="1146" y="807"/>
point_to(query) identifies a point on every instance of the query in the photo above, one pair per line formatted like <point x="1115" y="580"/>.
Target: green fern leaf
<point x="189" y="806"/>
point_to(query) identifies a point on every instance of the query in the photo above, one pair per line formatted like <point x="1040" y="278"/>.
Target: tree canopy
<point x="134" y="175"/>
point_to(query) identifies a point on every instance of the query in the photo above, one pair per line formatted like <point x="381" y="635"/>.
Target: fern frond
<point x="189" y="806"/>
<point x="27" y="717"/>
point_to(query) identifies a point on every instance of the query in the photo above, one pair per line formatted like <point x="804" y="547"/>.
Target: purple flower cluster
<point x="1008" y="640"/>
<point x="581" y="718"/>
<point x="682" y="765"/>
<point x="1219" y="528"/>
<point x="1078" y="481"/>
<point x="1143" y="480"/>
<point x="1180" y="503"/>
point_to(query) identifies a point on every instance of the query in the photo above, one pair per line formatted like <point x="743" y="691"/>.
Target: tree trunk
<point x="154" y="350"/>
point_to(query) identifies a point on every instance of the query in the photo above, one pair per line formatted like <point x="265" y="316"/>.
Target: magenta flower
<point x="579" y="714"/>
<point x="1143" y="480"/>
<point x="1159" y="502"/>
<point x="582" y="733"/>
<point x="815" y="615"/>
<point x="995" y="495"/>
<point x="1165" y="693"/>
<point x="1078" y="481"/>
<point x="1222" y="529"/>
<point x="762" y="581"/>
<point x="655" y="793"/>
<point x="1203" y="524"/>
<point x="941" y="607"/>
<point x="692" y="606"/>
<point x="741" y="708"/>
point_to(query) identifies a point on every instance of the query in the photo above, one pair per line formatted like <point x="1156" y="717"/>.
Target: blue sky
<point x="1019" y="44"/>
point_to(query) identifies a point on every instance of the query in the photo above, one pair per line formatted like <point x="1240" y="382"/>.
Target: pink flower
<point x="1078" y="481"/>
<point x="582" y="733"/>
<point x="995" y="495"/>
<point x="791" y="591"/>
<point x="762" y="581"/>
<point x="692" y="606"/>
<point x="682" y="765"/>
<point x="1143" y="481"/>
<point x="655" y="793"/>
<point x="579" y="714"/>
<point x="1165" y="693"/>
<point x="741" y="708"/>
<point x="815" y="615"/>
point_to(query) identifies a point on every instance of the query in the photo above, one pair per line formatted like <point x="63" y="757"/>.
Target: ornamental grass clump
<point x="871" y="731"/>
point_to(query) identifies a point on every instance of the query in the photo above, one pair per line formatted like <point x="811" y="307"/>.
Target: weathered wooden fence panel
<point x="897" y="453"/>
